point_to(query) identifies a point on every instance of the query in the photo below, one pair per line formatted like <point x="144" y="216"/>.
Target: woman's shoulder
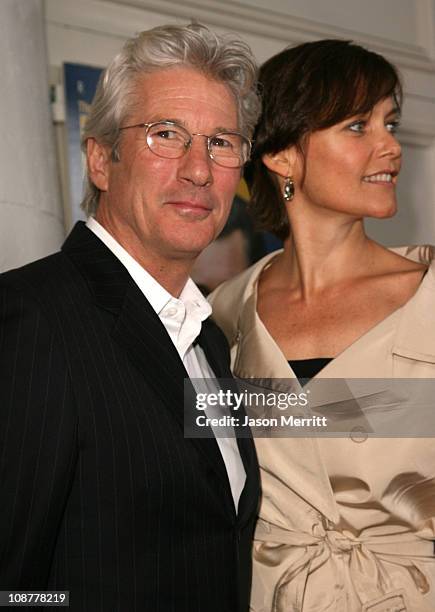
<point x="242" y="283"/>
<point x="415" y="335"/>
<point x="421" y="254"/>
<point x="410" y="267"/>
<point x="228" y="299"/>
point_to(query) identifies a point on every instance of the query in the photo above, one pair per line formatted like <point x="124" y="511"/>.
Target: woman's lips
<point x="383" y="177"/>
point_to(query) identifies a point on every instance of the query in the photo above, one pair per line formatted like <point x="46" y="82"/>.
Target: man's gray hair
<point x="224" y="58"/>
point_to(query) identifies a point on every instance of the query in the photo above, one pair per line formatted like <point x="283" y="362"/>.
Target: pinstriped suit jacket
<point x="100" y="493"/>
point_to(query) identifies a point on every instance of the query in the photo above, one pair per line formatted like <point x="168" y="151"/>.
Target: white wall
<point x="91" y="31"/>
<point x="31" y="220"/>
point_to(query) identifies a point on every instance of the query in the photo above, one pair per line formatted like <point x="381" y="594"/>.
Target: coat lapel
<point x="415" y="338"/>
<point x="304" y="468"/>
<point x="254" y="351"/>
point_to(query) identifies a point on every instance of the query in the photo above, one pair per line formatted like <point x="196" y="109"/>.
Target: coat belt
<point x="365" y="556"/>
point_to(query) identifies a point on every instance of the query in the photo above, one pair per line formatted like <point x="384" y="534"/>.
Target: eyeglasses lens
<point x="230" y="150"/>
<point x="168" y="140"/>
<point x="171" y="140"/>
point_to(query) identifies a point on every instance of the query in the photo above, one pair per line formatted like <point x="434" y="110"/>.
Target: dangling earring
<point x="289" y="189"/>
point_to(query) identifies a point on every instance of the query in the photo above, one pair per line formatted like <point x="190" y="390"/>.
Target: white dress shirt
<point x="182" y="318"/>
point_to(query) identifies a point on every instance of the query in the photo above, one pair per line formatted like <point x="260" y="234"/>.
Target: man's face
<point x="167" y="209"/>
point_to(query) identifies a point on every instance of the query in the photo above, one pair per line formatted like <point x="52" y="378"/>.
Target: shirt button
<point x="171" y="312"/>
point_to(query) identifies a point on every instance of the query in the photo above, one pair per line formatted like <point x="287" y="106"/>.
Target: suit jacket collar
<point x="138" y="329"/>
<point x="106" y="277"/>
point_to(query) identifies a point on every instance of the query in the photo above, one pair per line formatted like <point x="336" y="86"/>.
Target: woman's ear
<point x="281" y="163"/>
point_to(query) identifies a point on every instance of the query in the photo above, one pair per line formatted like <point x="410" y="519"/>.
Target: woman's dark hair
<point x="307" y="88"/>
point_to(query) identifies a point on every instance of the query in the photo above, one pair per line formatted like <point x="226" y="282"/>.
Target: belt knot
<point x="341" y="541"/>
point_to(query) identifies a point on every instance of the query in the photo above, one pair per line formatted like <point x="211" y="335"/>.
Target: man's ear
<point x="98" y="160"/>
<point x="281" y="163"/>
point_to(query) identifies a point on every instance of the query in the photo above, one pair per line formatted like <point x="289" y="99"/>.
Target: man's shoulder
<point x="67" y="266"/>
<point x="43" y="281"/>
<point x="38" y="271"/>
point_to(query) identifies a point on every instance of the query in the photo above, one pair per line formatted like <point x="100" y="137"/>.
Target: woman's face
<point x="352" y="167"/>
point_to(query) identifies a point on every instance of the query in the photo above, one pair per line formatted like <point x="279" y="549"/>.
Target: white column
<point x="31" y="217"/>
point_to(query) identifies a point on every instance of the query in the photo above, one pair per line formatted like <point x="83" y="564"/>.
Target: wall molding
<point x="416" y="134"/>
<point x="283" y="26"/>
<point x="120" y="18"/>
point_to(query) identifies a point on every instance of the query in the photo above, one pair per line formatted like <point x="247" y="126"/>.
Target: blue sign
<point x="80" y="85"/>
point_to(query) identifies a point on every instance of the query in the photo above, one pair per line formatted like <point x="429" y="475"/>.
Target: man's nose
<point x="196" y="165"/>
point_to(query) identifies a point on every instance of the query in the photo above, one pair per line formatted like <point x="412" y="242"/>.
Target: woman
<point x="346" y="524"/>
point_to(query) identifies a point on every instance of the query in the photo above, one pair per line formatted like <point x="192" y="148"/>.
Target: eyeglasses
<point x="171" y="140"/>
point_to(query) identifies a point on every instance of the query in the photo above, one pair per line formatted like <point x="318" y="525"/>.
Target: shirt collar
<point x="195" y="306"/>
<point x="193" y="299"/>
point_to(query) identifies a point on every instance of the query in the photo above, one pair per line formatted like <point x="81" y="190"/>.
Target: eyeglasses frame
<point x="187" y="146"/>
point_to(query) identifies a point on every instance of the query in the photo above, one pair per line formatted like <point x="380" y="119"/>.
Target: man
<point x="100" y="493"/>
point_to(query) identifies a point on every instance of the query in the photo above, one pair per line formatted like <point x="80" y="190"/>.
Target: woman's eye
<point x="393" y="126"/>
<point x="357" y="126"/>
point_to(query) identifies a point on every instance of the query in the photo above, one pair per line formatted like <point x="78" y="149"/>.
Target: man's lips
<point x="190" y="208"/>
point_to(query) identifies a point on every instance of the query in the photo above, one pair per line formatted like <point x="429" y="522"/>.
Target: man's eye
<point x="166" y="134"/>
<point x="221" y="143"/>
<point x="357" y="126"/>
<point x="393" y="126"/>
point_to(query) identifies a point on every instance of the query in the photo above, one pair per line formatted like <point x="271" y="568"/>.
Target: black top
<point x="308" y="368"/>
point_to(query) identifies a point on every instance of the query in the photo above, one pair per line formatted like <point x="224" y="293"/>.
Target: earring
<point x="289" y="189"/>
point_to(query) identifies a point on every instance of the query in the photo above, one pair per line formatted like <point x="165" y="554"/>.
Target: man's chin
<point x="188" y="252"/>
<point x="195" y="239"/>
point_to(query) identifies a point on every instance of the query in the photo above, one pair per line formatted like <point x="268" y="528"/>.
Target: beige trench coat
<point x="346" y="524"/>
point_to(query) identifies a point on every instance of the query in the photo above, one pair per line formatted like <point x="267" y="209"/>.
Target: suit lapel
<point x="214" y="345"/>
<point x="140" y="332"/>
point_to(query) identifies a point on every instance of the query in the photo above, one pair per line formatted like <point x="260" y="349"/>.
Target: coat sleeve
<point x="38" y="435"/>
